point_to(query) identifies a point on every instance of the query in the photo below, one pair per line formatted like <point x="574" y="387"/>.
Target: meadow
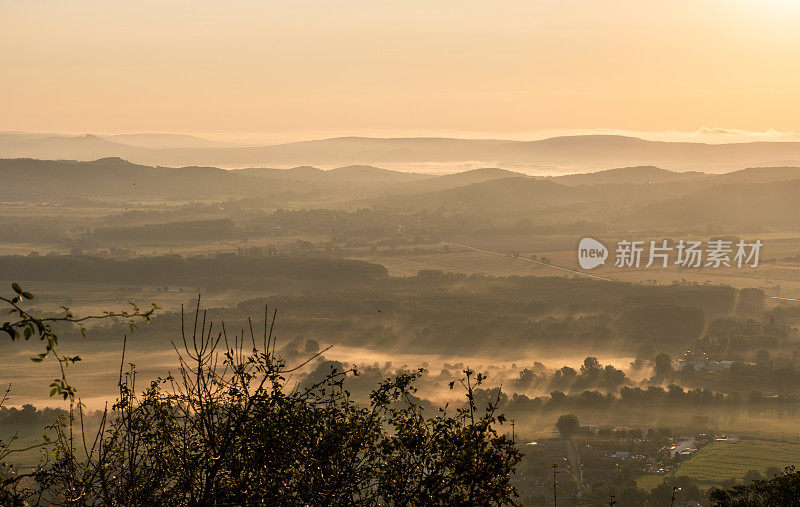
<point x="722" y="461"/>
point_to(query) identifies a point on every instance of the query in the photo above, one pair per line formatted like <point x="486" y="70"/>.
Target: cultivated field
<point x="722" y="461"/>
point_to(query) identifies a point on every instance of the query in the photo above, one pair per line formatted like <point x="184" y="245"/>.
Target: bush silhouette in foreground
<point x="227" y="430"/>
<point x="782" y="490"/>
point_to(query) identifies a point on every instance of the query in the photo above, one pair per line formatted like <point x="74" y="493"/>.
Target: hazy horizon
<point x="290" y="69"/>
<point x="705" y="135"/>
<point x="418" y="253"/>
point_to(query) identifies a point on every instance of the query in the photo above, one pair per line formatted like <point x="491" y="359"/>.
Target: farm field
<point x="649" y="481"/>
<point x="776" y="279"/>
<point x="722" y="461"/>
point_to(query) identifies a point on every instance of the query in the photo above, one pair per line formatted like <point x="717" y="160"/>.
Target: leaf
<point x="16" y="288"/>
<point x="26" y="295"/>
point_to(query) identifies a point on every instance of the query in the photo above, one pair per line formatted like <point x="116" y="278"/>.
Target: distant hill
<point x="354" y="173"/>
<point x="432" y="184"/>
<point x="511" y="192"/>
<point x="54" y="147"/>
<point x="499" y="195"/>
<point x="117" y="179"/>
<point x="160" y="141"/>
<point x="606" y="151"/>
<point x="114" y="178"/>
<point x="568" y="153"/>
<point x="365" y="172"/>
<point x="641" y="174"/>
<point x="736" y="204"/>
<point x="300" y="173"/>
<point x="660" y="196"/>
<point x="645" y="196"/>
<point x="760" y="175"/>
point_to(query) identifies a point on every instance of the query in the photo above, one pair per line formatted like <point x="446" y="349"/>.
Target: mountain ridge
<point x="562" y="154"/>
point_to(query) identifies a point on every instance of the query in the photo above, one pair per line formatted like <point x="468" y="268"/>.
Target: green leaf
<point x="26" y="295"/>
<point x="16" y="288"/>
<point x="11" y="332"/>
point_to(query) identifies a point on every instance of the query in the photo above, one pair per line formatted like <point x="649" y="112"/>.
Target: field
<point x="721" y="461"/>
<point x="27" y="453"/>
<point x="649" y="481"/>
<point x="776" y="277"/>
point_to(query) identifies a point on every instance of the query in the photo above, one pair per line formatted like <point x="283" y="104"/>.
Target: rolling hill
<point x="564" y="154"/>
<point x="641" y="174"/>
<point x="638" y="196"/>
<point x="432" y="184"/>
<point x="760" y="175"/>
<point x="735" y="204"/>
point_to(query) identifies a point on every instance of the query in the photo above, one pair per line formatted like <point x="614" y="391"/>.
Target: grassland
<point x="721" y="461"/>
<point x="649" y="481"/>
<point x="776" y="278"/>
<point x="25" y="442"/>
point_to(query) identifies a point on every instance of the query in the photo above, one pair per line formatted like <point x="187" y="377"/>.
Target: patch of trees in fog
<point x="175" y="269"/>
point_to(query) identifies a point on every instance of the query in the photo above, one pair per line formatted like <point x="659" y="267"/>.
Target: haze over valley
<point x="557" y="155"/>
<point x="370" y="253"/>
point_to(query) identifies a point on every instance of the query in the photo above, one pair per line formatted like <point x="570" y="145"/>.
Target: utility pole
<point x="611" y="502"/>
<point x="513" y="433"/>
<point x="555" y="495"/>
<point x="675" y="490"/>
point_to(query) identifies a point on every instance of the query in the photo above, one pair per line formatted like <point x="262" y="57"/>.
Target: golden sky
<point x="413" y="67"/>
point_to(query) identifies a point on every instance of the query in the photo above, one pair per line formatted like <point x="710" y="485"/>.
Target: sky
<point x="284" y="70"/>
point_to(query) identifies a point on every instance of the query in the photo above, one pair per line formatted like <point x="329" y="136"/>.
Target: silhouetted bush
<point x="228" y="430"/>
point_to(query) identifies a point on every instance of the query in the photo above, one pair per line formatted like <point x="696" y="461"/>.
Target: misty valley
<point x="400" y="254"/>
<point x="621" y="378"/>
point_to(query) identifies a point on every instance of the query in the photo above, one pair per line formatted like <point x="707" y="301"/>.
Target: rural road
<point x="529" y="260"/>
